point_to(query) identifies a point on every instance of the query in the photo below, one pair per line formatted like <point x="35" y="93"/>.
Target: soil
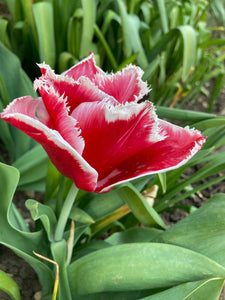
<point x="25" y="276"/>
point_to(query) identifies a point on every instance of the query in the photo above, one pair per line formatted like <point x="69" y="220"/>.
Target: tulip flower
<point x="94" y="130"/>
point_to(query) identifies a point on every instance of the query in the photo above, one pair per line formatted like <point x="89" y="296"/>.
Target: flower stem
<point x="65" y="212"/>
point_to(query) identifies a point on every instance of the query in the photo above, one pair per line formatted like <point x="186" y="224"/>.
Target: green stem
<point x="65" y="212"/>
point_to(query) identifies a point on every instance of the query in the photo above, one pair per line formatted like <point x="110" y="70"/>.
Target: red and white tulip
<point x="94" y="130"/>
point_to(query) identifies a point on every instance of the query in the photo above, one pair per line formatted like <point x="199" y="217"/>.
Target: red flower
<point x="93" y="129"/>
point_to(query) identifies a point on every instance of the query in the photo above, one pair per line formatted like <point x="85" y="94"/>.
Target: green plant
<point x="134" y="263"/>
<point x="170" y="40"/>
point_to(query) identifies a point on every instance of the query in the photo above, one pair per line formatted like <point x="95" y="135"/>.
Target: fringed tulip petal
<point x="76" y="92"/>
<point x="60" y="120"/>
<point x="124" y="86"/>
<point x="21" y="114"/>
<point x="112" y="133"/>
<point x="178" y="146"/>
<point x="87" y="67"/>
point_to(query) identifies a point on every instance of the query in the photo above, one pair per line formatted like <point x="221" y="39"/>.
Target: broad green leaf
<point x="135" y="40"/>
<point x="205" y="124"/>
<point x="189" y="49"/>
<point x="163" y="15"/>
<point x="16" y="81"/>
<point x="29" y="18"/>
<point x="45" y="214"/>
<point x="205" y="289"/>
<point x="17" y="220"/>
<point x="139" y="206"/>
<point x="8" y="285"/>
<point x="89" y="15"/>
<point x="79" y="215"/>
<point x="202" y="231"/>
<point x="43" y="15"/>
<point x="32" y="167"/>
<point x="22" y="243"/>
<point x="133" y="267"/>
<point x="101" y="205"/>
<point x="133" y="235"/>
<point x="125" y="28"/>
<point x="3" y="33"/>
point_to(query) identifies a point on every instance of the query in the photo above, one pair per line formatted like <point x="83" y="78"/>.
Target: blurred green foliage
<point x="173" y="41"/>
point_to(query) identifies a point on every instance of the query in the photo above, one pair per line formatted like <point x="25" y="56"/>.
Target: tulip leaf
<point x="182" y="114"/>
<point x="8" y="285"/>
<point x="125" y="28"/>
<point x="89" y="9"/>
<point x="13" y="83"/>
<point x="43" y="16"/>
<point x="33" y="168"/>
<point x="101" y="205"/>
<point x="195" y="232"/>
<point x="139" y="206"/>
<point x="204" y="289"/>
<point x="45" y="214"/>
<point x="133" y="267"/>
<point x="133" y="235"/>
<point x="79" y="215"/>
<point x="163" y="15"/>
<point x="198" y="234"/>
<point x="59" y="252"/>
<point x="22" y="243"/>
<point x="162" y="179"/>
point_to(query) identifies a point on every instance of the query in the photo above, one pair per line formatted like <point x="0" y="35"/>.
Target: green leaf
<point x="205" y="289"/>
<point x="16" y="81"/>
<point x="59" y="252"/>
<point x="133" y="267"/>
<point x="202" y="231"/>
<point x="33" y="168"/>
<point x="189" y="49"/>
<point x="89" y="9"/>
<point x="133" y="235"/>
<point x="125" y="28"/>
<point x="101" y="205"/>
<point x="163" y="15"/>
<point x="79" y="215"/>
<point x="139" y="206"/>
<point x="8" y="285"/>
<point x="43" y="15"/>
<point x="205" y="124"/>
<point x="162" y="179"/>
<point x="3" y="33"/>
<point x="135" y="40"/>
<point x="22" y="243"/>
<point x="45" y="214"/>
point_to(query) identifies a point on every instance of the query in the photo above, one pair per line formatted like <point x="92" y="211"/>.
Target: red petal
<point x="21" y="114"/>
<point x="87" y="67"/>
<point x="60" y="120"/>
<point x="179" y="145"/>
<point x="76" y="92"/>
<point x="112" y="134"/>
<point x="124" y="86"/>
